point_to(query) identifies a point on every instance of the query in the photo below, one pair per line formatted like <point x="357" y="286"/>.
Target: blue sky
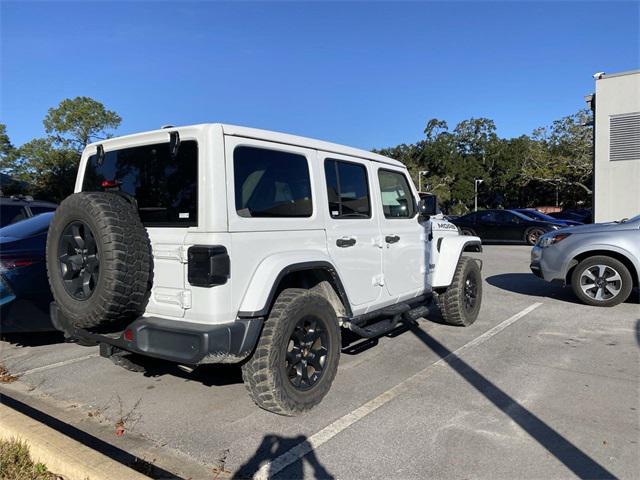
<point x="361" y="73"/>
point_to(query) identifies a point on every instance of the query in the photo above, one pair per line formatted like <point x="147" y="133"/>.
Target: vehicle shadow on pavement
<point x="566" y="452"/>
<point x="274" y="446"/>
<point x="208" y="375"/>
<point x="529" y="284"/>
<point x="34" y="339"/>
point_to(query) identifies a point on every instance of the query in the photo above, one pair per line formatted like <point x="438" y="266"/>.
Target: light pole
<point x="476" y="182"/>
<point x="420" y="174"/>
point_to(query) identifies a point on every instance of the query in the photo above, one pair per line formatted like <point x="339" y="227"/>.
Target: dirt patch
<point x="5" y="376"/>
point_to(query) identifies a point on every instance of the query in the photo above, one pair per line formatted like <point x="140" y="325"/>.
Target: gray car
<point x="601" y="261"/>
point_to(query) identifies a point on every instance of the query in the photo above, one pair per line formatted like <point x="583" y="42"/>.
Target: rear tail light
<point x="10" y="263"/>
<point x="209" y="265"/>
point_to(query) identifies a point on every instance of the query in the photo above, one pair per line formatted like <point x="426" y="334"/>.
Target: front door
<point x="352" y="227"/>
<point x="405" y="252"/>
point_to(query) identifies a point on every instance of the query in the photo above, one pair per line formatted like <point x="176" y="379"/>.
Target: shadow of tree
<point x="273" y="447"/>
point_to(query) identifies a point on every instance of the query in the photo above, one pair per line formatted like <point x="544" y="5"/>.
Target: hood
<point x="602" y="227"/>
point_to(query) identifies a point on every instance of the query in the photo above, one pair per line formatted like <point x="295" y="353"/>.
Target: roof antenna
<point x="99" y="155"/>
<point x="174" y="143"/>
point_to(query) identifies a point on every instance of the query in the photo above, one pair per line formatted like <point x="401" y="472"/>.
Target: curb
<point x="61" y="454"/>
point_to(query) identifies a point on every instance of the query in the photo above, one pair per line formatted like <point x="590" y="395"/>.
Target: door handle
<point x="392" y="238"/>
<point x="346" y="242"/>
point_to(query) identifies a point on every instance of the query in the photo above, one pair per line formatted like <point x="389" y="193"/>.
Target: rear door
<point x="353" y="235"/>
<point x="165" y="187"/>
<point x="403" y="237"/>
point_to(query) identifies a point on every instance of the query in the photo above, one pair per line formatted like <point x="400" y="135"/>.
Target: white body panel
<point x="373" y="272"/>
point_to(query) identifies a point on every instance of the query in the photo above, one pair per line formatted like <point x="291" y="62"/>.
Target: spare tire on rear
<point x="99" y="260"/>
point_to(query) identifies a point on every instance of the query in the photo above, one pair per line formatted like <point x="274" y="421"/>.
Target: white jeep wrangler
<point x="223" y="244"/>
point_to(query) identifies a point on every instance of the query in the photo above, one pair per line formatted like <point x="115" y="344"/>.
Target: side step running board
<point x="401" y="312"/>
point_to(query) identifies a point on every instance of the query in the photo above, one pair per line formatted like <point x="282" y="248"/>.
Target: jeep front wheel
<point x="296" y="358"/>
<point x="460" y="302"/>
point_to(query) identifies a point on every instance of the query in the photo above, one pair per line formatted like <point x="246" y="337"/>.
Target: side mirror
<point x="428" y="206"/>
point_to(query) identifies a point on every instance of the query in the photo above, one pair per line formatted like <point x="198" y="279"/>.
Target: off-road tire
<point x="124" y="260"/>
<point x="452" y="300"/>
<point x="264" y="374"/>
<point x="626" y="281"/>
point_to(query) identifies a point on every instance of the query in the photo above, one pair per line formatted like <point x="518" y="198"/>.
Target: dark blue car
<point x="536" y="215"/>
<point x="24" y="288"/>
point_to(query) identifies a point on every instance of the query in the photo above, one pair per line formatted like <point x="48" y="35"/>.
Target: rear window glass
<point x="165" y="188"/>
<point x="270" y="183"/>
<point x="11" y="213"/>
<point x="38" y="210"/>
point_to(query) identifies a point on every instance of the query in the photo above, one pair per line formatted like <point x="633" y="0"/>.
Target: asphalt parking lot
<point x="539" y="387"/>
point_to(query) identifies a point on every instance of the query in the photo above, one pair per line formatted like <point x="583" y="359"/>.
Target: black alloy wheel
<point x="79" y="260"/>
<point x="470" y="292"/>
<point x="306" y="353"/>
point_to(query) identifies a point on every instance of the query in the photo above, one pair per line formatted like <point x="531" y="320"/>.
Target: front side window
<point x="164" y="186"/>
<point x="397" y="199"/>
<point x="271" y="183"/>
<point x="347" y="189"/>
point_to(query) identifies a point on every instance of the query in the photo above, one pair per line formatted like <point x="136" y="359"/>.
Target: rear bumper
<point x="177" y="341"/>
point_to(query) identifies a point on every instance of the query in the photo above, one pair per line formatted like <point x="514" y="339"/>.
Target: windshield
<point x="165" y="186"/>
<point x="29" y="227"/>
<point x="537" y="215"/>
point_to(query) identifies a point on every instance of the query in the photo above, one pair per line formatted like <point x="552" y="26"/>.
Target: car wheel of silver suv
<point x="601" y="281"/>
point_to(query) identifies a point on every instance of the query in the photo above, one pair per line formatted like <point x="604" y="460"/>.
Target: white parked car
<point x="223" y="244"/>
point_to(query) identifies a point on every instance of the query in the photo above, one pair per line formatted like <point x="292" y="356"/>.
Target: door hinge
<point x="172" y="296"/>
<point x="378" y="280"/>
<point x="171" y="252"/>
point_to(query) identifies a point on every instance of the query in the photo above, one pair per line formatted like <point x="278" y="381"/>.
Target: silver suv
<point x="601" y="261"/>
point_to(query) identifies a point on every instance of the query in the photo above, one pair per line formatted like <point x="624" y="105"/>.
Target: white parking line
<point x="57" y="364"/>
<point x="317" y="439"/>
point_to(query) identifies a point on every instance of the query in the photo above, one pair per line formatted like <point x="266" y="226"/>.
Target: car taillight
<point x="10" y="263"/>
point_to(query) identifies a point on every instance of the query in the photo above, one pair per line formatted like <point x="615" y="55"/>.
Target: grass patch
<point x="16" y="463"/>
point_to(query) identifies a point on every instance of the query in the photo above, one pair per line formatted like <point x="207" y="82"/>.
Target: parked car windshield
<point x="29" y="227"/>
<point x="536" y="215"/>
<point x="165" y="186"/>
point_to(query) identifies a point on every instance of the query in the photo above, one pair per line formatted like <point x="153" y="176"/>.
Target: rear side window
<point x="11" y="214"/>
<point x="347" y="189"/>
<point x="397" y="199"/>
<point x="166" y="188"/>
<point x="39" y="210"/>
<point x="270" y="183"/>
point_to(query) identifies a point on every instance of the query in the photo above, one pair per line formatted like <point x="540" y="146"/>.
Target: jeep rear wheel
<point x="98" y="260"/>
<point x="296" y="358"/>
<point x="460" y="302"/>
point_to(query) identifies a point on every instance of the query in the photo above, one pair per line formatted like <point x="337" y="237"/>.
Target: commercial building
<point x="616" y="106"/>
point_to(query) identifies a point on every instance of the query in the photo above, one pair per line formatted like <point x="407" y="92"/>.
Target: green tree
<point x="7" y="150"/>
<point x="562" y="155"/>
<point x="50" y="164"/>
<point x="76" y="122"/>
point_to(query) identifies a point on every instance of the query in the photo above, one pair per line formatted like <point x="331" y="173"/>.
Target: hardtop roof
<point x="266" y="135"/>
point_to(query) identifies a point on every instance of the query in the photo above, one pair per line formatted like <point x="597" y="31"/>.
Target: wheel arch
<point x="620" y="256"/>
<point x="450" y="249"/>
<point x="273" y="277"/>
